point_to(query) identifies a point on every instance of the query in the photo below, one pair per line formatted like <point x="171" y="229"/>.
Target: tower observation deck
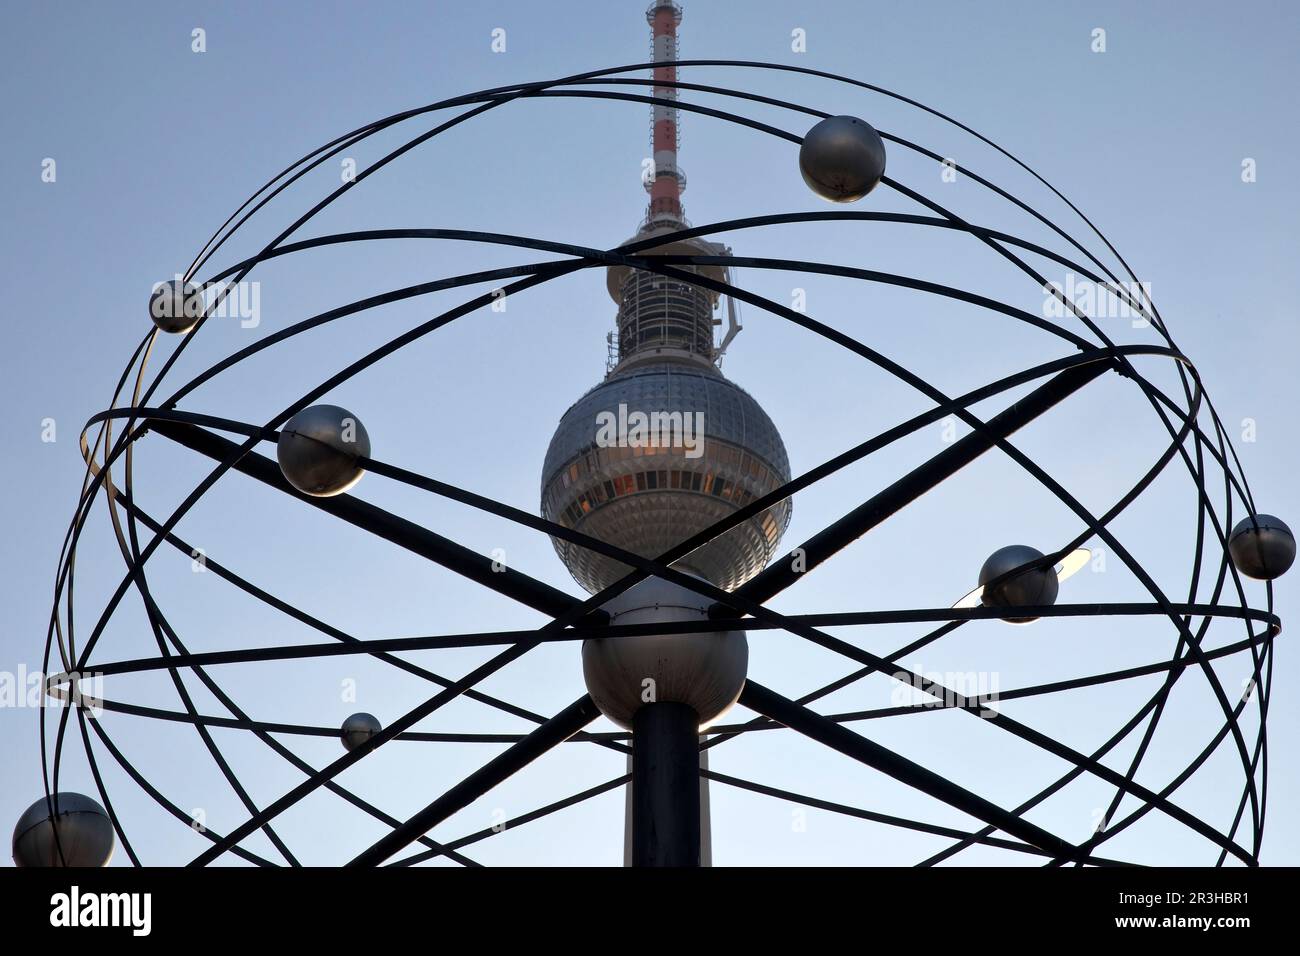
<point x="661" y="318"/>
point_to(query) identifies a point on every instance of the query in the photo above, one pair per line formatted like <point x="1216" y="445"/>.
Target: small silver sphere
<point x="1262" y="547"/>
<point x="842" y="158"/>
<point x="358" y="729"/>
<point x="705" y="671"/>
<point x="85" y="833"/>
<point x="1034" y="586"/>
<point x="176" y="306"/>
<point x="318" y="450"/>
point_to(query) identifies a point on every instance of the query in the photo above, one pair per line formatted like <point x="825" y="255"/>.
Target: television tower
<point x="663" y="448"/>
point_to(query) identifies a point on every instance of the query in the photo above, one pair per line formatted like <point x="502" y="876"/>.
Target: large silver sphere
<point x="842" y="158"/>
<point x="648" y="499"/>
<point x="1035" y="586"/>
<point x="85" y="833"/>
<point x="1262" y="547"/>
<point x="358" y="729"/>
<point x="705" y="671"/>
<point x="318" y="450"/>
<point x="176" y="306"/>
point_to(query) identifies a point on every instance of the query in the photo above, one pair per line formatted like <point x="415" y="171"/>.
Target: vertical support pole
<point x="665" y="785"/>
<point x="706" y="821"/>
<point x="627" y="812"/>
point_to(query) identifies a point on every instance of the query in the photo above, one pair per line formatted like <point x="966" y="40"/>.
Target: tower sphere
<point x="85" y="833"/>
<point x="176" y="306"/>
<point x="1033" y="586"/>
<point x="318" y="450"/>
<point x="842" y="158"/>
<point x="1262" y="547"/>
<point x="358" y="729"/>
<point x="706" y="450"/>
<point x="705" y="671"/>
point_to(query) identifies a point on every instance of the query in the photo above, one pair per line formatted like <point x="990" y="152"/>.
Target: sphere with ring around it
<point x="1032" y="586"/>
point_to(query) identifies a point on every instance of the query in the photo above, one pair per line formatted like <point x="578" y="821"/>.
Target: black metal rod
<point x="811" y="724"/>
<point x="781" y="574"/>
<point x="407" y="534"/>
<point x="555" y="731"/>
<point x="666" y="785"/>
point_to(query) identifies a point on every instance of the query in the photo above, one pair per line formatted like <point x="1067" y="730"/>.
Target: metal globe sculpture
<point x="1262" y="547"/>
<point x="842" y="158"/>
<point x="75" y="832"/>
<point x="679" y="551"/>
<point x="358" y="729"/>
<point x="318" y="450"/>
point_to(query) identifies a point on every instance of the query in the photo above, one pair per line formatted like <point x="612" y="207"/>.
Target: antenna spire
<point x="666" y="318"/>
<point x="665" y="189"/>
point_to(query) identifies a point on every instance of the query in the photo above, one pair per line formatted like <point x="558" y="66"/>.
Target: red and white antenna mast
<point x="669" y="182"/>
<point x="661" y="319"/>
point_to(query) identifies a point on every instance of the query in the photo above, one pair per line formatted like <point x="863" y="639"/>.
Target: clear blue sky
<point x="156" y="145"/>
